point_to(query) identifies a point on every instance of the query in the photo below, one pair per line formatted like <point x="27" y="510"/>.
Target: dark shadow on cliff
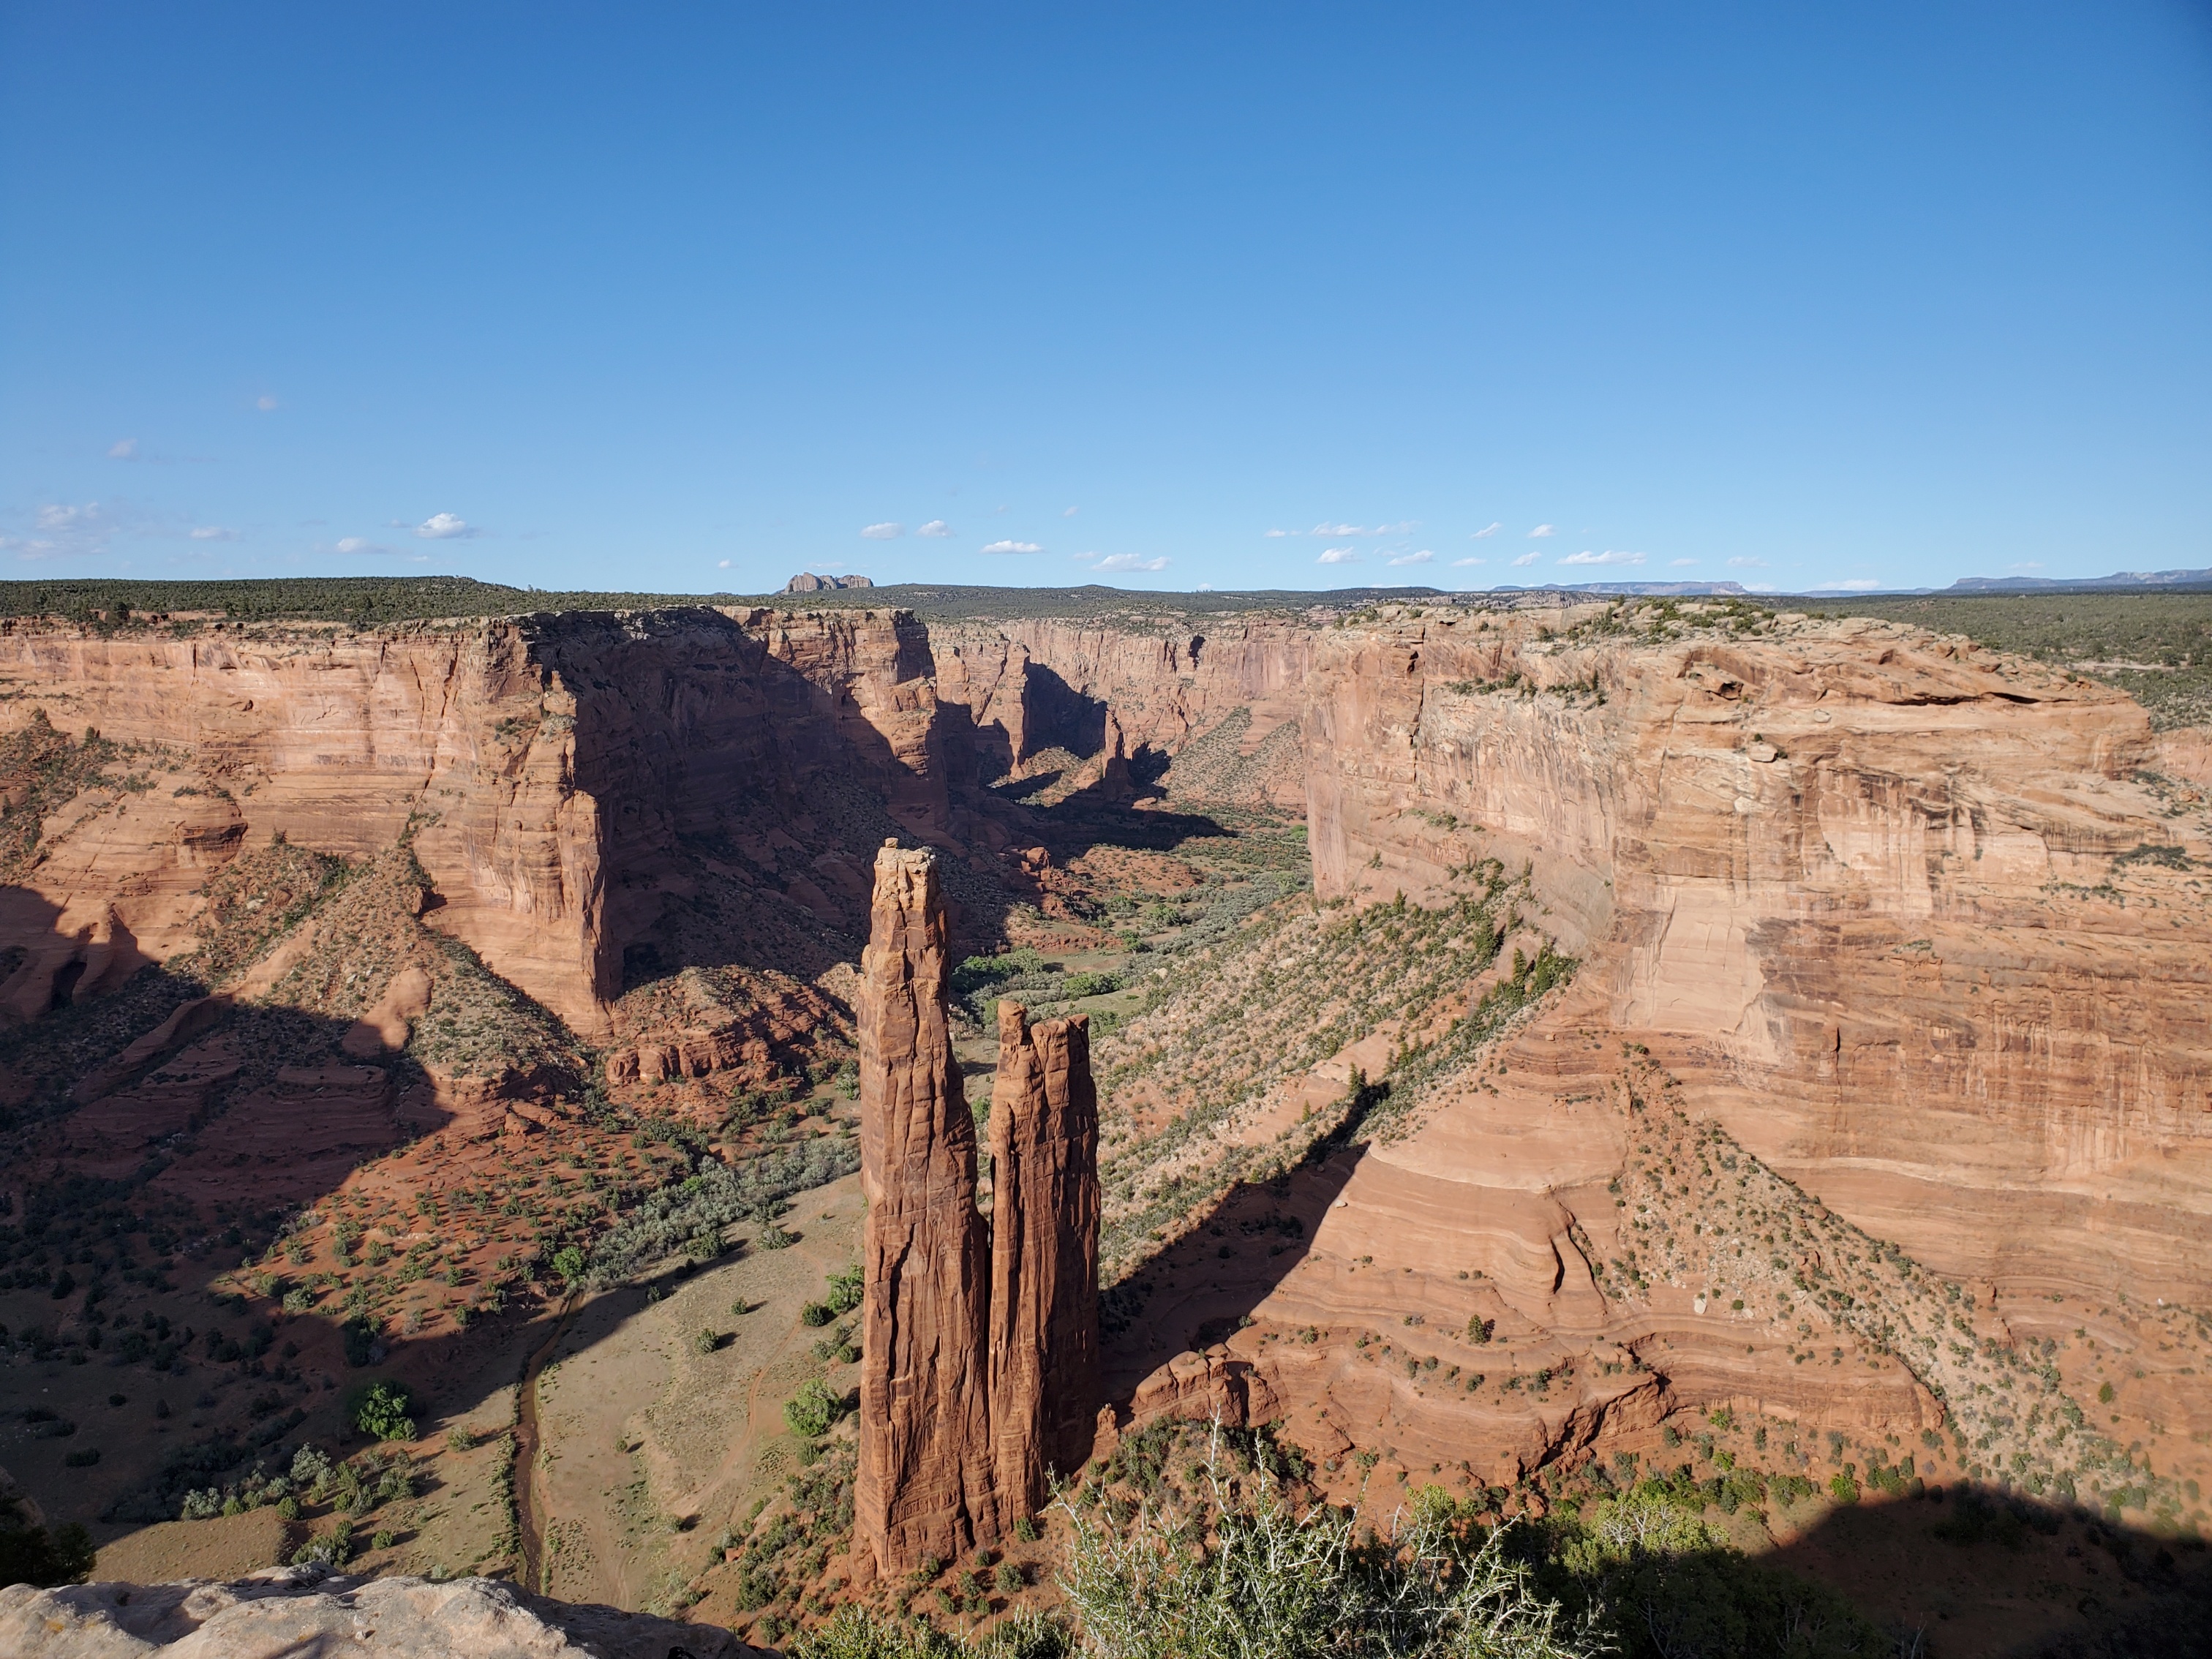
<point x="1204" y="1285"/>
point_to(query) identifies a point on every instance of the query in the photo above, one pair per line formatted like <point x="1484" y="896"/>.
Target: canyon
<point x="1678" y="1011"/>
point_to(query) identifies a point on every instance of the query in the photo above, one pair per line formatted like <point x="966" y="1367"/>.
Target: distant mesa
<point x="807" y="582"/>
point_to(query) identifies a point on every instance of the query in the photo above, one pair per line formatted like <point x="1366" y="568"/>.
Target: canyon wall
<point x="1907" y="917"/>
<point x="559" y="775"/>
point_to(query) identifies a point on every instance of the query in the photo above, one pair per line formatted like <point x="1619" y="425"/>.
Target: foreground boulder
<point x="289" y="1613"/>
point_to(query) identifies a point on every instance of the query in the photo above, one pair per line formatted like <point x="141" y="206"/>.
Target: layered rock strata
<point x="979" y="1369"/>
<point x="925" y="1484"/>
<point x="1044" y="1253"/>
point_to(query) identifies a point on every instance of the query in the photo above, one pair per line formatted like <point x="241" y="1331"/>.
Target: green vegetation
<point x="124" y="604"/>
<point x="40" y="1555"/>
<point x="813" y="1411"/>
<point x="382" y="1410"/>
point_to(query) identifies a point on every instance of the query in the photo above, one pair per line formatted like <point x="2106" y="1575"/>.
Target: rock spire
<point x="924" y="1483"/>
<point x="1045" y="1254"/>
<point x="979" y="1347"/>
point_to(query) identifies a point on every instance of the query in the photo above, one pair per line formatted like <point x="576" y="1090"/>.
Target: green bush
<point x="382" y="1410"/>
<point x="813" y="1411"/>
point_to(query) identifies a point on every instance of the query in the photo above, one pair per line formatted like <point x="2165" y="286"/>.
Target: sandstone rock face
<point x="290" y="1610"/>
<point x="925" y="1485"/>
<point x="979" y="1369"/>
<point x="1893" y="909"/>
<point x="552" y="765"/>
<point x="1045" y="1254"/>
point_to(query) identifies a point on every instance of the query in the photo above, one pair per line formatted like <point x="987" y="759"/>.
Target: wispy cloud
<point x="64" y="530"/>
<point x="265" y="402"/>
<point x="1068" y="512"/>
<point x="722" y="564"/>
<point x="1678" y="563"/>
<point x="124" y="449"/>
<point x="358" y="545"/>
<point x="936" y="529"/>
<point x="1338" y="555"/>
<point x="1543" y="530"/>
<point x="1857" y="585"/>
<point x="445" y="527"/>
<point x="1129" y="562"/>
<point x="1456" y="563"/>
<point x="1487" y="530"/>
<point x="1607" y="557"/>
<point x="882" y="533"/>
<point x="214" y="532"/>
<point x="1012" y="547"/>
<point x="1422" y="557"/>
<point x="1405" y="528"/>
<point x="1271" y="533"/>
<point x="1529" y="558"/>
<point x="1755" y="564"/>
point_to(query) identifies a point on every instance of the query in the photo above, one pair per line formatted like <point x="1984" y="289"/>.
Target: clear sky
<point x="690" y="298"/>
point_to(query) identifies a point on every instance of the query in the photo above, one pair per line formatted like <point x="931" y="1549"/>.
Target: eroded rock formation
<point x="925" y="1485"/>
<point x="1044" y="1253"/>
<point x="980" y="1348"/>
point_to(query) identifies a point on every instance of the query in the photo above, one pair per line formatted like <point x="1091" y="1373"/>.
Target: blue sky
<point x="688" y="298"/>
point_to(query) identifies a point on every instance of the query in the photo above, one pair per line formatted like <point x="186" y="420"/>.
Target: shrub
<point x="381" y="1411"/>
<point x="1267" y="1577"/>
<point x="705" y="1341"/>
<point x="813" y="1410"/>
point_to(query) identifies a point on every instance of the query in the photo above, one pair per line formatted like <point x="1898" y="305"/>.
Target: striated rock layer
<point x="1045" y="1254"/>
<point x="979" y="1370"/>
<point x="925" y="1485"/>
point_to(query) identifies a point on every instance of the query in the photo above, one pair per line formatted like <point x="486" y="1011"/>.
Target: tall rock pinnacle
<point x="924" y="1485"/>
<point x="979" y="1369"/>
<point x="1045" y="1254"/>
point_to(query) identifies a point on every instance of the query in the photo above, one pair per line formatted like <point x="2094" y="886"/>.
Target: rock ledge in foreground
<point x="292" y="1611"/>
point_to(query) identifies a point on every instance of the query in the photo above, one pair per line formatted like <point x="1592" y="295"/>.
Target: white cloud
<point x="1755" y="564"/>
<point x="1012" y="547"/>
<point x="936" y="529"/>
<point x="2030" y="564"/>
<point x="1205" y="587"/>
<point x="355" y="545"/>
<point x="1608" y="557"/>
<point x="722" y="564"/>
<point x="882" y="533"/>
<point x="1678" y="563"/>
<point x="214" y="532"/>
<point x="1129" y="562"/>
<point x="1336" y="530"/>
<point x="264" y="402"/>
<point x="1338" y="555"/>
<point x="124" y="449"/>
<point x="1285" y="532"/>
<point x="59" y="516"/>
<point x="444" y="527"/>
<point x="1422" y="557"/>
<point x="1068" y="513"/>
<point x="1456" y="563"/>
<point x="1857" y="585"/>
<point x="1542" y="530"/>
<point x="1487" y="530"/>
<point x="1529" y="558"/>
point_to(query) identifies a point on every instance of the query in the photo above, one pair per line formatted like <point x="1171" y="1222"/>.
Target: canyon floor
<point x="1421" y="1143"/>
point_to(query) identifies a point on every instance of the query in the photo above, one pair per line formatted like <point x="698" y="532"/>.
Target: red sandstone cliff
<point x="1878" y="898"/>
<point x="925" y="1485"/>
<point x="1044" y="1254"/>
